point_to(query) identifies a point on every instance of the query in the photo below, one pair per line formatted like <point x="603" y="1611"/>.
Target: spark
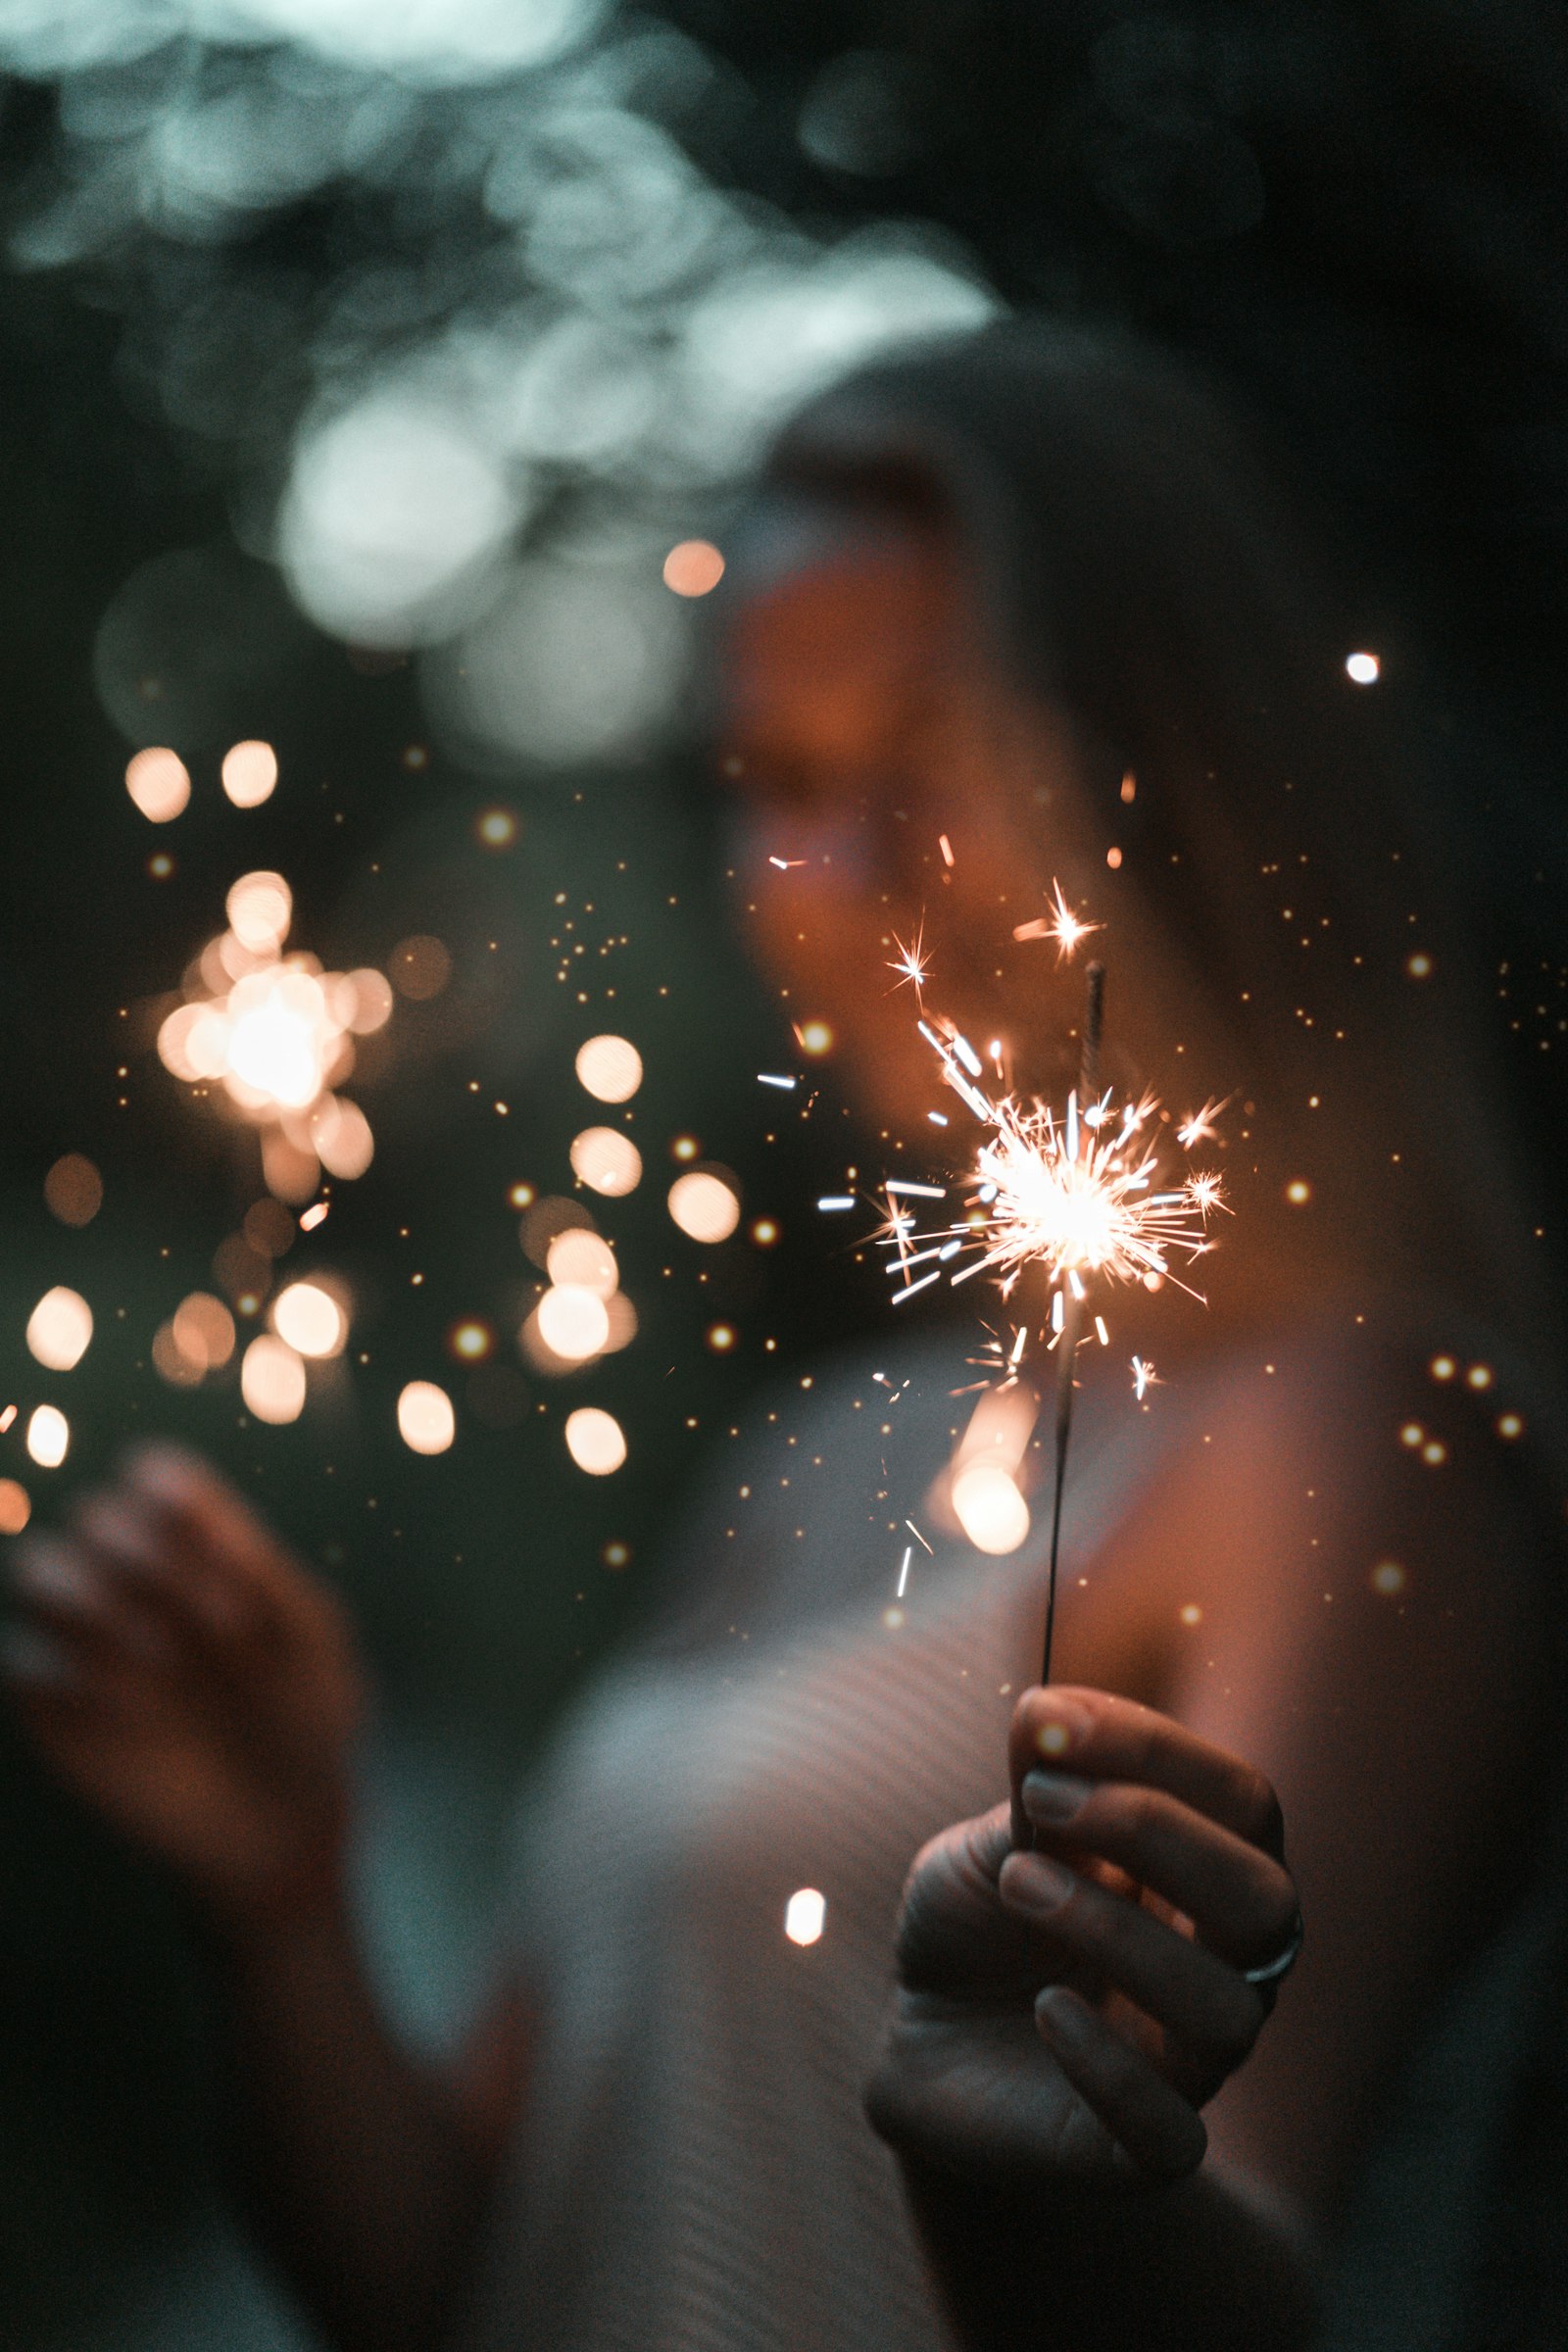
<point x="1068" y="930"/>
<point x="784" y="865"/>
<point x="945" y="846"/>
<point x="910" y="962"/>
<point x="904" y="1571"/>
<point x="1144" y="1378"/>
<point x="830" y="1202"/>
<point x="312" y="1217"/>
<point x="1198" y="1125"/>
<point x="919" y="1538"/>
<point x="766" y="1078"/>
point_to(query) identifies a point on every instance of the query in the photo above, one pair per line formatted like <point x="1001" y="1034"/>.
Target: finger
<point x="202" y="1514"/>
<point x="61" y="1594"/>
<point x="1156" y="2126"/>
<point x="1110" y="1739"/>
<point x="201" y="1613"/>
<point x="1189" y="1991"/>
<point x="1241" y="1902"/>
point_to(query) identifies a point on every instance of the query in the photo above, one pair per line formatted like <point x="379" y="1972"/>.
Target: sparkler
<point x="1080" y="1194"/>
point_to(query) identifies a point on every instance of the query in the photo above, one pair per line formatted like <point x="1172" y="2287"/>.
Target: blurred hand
<point x="188" y="1678"/>
<point x="1070" y="1990"/>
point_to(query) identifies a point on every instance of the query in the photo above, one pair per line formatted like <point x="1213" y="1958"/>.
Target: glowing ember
<point x="1067" y="929"/>
<point x="426" y="1423"/>
<point x="910" y="962"/>
<point x="595" y="1440"/>
<point x="59" y="1328"/>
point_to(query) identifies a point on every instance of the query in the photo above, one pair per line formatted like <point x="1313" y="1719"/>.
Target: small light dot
<point x="1510" y="1425"/>
<point x="817" y="1038"/>
<point x="497" y="828"/>
<point x="1442" y="1367"/>
<point x="684" y="1146"/>
<point x="1419" y="966"/>
<point x="1362" y="669"/>
<point x="1388" y="1577"/>
<point x="161" y="865"/>
<point x="1433" y="1452"/>
<point x="1054" y="1739"/>
<point x="764" y="1233"/>
<point x="893" y="1618"/>
<point x="1191" y="1614"/>
<point x="470" y="1340"/>
<point x="1479" y="1376"/>
<point x="804" y="1916"/>
<point x="720" y="1338"/>
<point x="521" y="1196"/>
<point x="1297" y="1191"/>
<point x="616" y="1556"/>
<point x="1113" y="858"/>
<point x="1412" y="1433"/>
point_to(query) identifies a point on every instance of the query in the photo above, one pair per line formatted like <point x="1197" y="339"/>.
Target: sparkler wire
<point x="1072" y="1302"/>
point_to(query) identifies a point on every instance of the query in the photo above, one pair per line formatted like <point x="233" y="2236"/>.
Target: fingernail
<point x="1036" y="1883"/>
<point x="1065" y="1726"/>
<point x="1062" y="2016"/>
<point x="29" y="1657"/>
<point x="1053" y="1796"/>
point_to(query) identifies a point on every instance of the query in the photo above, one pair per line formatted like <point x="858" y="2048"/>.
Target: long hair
<point x="1290" y="833"/>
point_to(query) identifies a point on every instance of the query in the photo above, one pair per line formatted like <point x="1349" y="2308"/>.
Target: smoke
<point x="444" y="296"/>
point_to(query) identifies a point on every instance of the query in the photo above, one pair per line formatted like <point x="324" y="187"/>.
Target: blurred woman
<point x="1008" y="616"/>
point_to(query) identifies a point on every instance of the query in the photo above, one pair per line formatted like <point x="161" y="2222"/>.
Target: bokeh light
<point x="73" y="1189"/>
<point x="584" y="1260"/>
<point x="260" y="907"/>
<point x="609" y="1069"/>
<point x="420" y="968"/>
<point x="427" y="1422"/>
<point x="271" y="1379"/>
<point x="595" y="1440"/>
<point x="990" y="1509"/>
<point x="16" y="1506"/>
<point x="159" y="783"/>
<point x="573" y="1322"/>
<point x="606" y="1160"/>
<point x="693" y="568"/>
<point x="1363" y="670"/>
<point x="48" y="1437"/>
<point x="804" y="1916"/>
<point x="704" y="1205"/>
<point x="250" y="773"/>
<point x="59" y="1328"/>
<point x="310" y="1319"/>
<point x="203" y="1331"/>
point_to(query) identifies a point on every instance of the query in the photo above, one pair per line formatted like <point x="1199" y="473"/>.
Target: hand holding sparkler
<point x="1050" y="2024"/>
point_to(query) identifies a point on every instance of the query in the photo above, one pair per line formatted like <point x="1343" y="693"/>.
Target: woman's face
<point x="892" y="785"/>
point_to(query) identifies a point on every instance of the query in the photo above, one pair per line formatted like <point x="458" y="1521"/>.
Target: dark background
<point x="1355" y="215"/>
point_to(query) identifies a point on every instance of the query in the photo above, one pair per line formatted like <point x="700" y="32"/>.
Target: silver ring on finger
<point x="1280" y="1965"/>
